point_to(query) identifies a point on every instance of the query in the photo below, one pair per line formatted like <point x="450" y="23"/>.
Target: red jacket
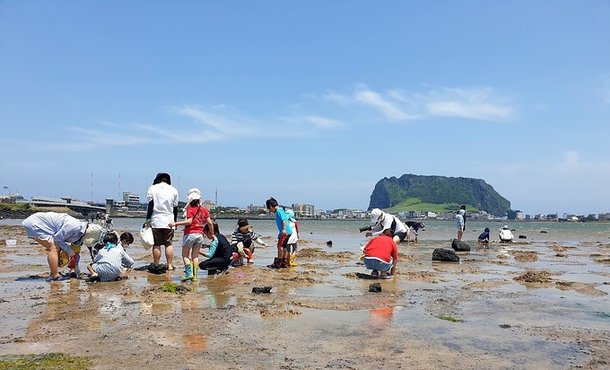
<point x="383" y="248"/>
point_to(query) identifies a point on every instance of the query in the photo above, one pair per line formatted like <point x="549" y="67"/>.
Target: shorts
<point x="106" y="271"/>
<point x="163" y="236"/>
<point x="376" y="264"/>
<point x="282" y="241"/>
<point x="192" y="240"/>
<point x="401" y="235"/>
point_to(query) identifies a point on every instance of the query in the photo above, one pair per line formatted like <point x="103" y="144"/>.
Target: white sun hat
<point x="92" y="235"/>
<point x="376" y="215"/>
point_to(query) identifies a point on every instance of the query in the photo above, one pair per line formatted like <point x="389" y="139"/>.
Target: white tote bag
<point x="146" y="235"/>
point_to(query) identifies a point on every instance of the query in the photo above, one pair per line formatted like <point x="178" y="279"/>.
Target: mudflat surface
<point x="523" y="305"/>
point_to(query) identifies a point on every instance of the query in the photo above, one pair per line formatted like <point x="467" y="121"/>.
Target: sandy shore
<point x="532" y="306"/>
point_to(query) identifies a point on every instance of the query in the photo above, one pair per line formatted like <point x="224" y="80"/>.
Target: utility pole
<point x="215" y="198"/>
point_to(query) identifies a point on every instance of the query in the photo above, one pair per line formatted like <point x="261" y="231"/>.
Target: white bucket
<point x="11" y="242"/>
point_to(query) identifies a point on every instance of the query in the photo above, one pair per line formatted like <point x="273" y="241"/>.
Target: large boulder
<point x="460" y="246"/>
<point x="441" y="254"/>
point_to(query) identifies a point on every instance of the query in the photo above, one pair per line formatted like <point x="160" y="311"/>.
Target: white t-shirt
<point x="165" y="198"/>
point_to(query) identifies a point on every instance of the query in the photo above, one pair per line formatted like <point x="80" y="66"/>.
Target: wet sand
<point x="523" y="305"/>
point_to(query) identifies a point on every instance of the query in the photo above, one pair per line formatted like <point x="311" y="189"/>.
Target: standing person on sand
<point x="162" y="210"/>
<point x="460" y="223"/>
<point x="61" y="232"/>
<point x="196" y="217"/>
<point x="294" y="238"/>
<point x="281" y="220"/>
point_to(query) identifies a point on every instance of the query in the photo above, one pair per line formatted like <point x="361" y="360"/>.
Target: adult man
<point x="162" y="210"/>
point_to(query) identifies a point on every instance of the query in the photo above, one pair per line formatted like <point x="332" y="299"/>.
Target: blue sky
<point x="310" y="102"/>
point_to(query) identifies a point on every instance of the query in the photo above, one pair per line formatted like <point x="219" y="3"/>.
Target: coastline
<point x="526" y="305"/>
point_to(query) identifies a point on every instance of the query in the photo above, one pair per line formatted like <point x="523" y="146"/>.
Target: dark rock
<point x="522" y="237"/>
<point x="441" y="254"/>
<point x="260" y="290"/>
<point x="375" y="288"/>
<point x="329" y="244"/>
<point x="460" y="246"/>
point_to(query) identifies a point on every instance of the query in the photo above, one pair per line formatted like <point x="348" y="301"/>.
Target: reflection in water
<point x="381" y="318"/>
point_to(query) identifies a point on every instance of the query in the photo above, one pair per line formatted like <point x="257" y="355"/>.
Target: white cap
<point x="376" y="215"/>
<point x="193" y="194"/>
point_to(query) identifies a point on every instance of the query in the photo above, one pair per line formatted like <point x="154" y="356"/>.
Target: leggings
<point x="215" y="263"/>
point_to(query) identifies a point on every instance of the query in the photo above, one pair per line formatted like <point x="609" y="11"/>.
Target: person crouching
<point x="381" y="255"/>
<point x="109" y="260"/>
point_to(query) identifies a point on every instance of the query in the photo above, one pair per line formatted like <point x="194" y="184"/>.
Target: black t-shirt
<point x="224" y="249"/>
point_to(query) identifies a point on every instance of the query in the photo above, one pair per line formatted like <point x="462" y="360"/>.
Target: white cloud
<point x="323" y="122"/>
<point x="385" y="106"/>
<point x="476" y="103"/>
<point x="396" y="105"/>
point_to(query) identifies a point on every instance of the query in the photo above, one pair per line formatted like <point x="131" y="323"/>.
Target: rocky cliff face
<point x="390" y="192"/>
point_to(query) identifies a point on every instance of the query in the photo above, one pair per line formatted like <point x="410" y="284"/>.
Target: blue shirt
<point x="280" y="218"/>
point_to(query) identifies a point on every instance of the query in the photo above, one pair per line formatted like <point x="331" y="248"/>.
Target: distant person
<point x="463" y="207"/>
<point x="60" y="231"/>
<point x="414" y="226"/>
<point x="220" y="251"/>
<point x="196" y="217"/>
<point x="484" y="237"/>
<point x="506" y="236"/>
<point x="460" y="223"/>
<point x="243" y="240"/>
<point x="162" y="210"/>
<point x="294" y="237"/>
<point x="383" y="221"/>
<point x="281" y="220"/>
<point x="381" y="255"/>
<point x="110" y="260"/>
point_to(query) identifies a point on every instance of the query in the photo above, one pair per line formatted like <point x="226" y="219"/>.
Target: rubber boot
<point x="277" y="262"/>
<point x="195" y="271"/>
<point x="188" y="273"/>
<point x="249" y="256"/>
<point x="292" y="261"/>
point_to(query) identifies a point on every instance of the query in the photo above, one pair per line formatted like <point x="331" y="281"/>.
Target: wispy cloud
<point x="219" y="123"/>
<point x="387" y="107"/>
<point x="476" y="103"/>
<point x="323" y="122"/>
<point x="482" y="104"/>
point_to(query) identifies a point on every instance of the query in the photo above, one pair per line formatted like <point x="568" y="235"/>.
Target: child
<point x="242" y="241"/>
<point x="196" y="217"/>
<point x="281" y="261"/>
<point x="484" y="237"/>
<point x="381" y="255"/>
<point x="110" y="259"/>
<point x="220" y="251"/>
<point x="294" y="238"/>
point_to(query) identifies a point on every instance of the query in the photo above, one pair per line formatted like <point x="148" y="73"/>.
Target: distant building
<point x="303" y="210"/>
<point x="130" y="198"/>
